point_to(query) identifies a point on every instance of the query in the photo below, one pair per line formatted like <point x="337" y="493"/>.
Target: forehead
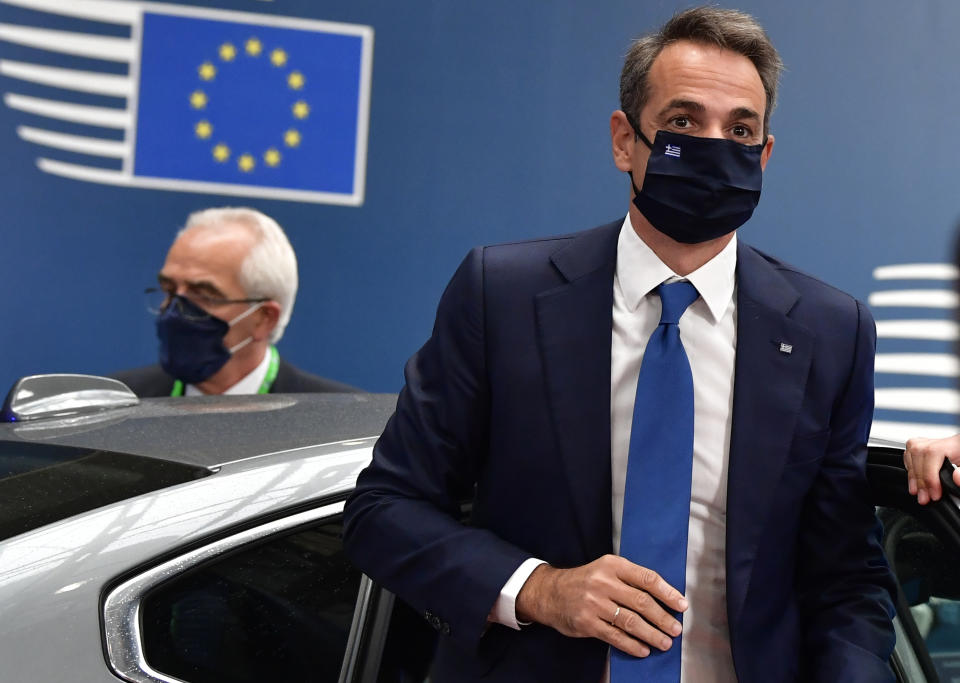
<point x="716" y="78"/>
<point x="210" y="254"/>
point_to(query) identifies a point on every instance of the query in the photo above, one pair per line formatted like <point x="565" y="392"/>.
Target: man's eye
<point x="681" y="122"/>
<point x="741" y="131"/>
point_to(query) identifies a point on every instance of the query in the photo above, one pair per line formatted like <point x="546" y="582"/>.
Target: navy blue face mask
<point x="191" y="340"/>
<point x="698" y="189"/>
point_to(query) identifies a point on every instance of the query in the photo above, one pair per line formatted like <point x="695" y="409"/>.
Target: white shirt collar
<point x="250" y="384"/>
<point x="640" y="271"/>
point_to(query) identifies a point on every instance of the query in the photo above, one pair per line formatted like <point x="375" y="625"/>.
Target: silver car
<point x="199" y="539"/>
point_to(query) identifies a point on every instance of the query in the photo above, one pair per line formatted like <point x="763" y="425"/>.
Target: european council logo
<point x="216" y="101"/>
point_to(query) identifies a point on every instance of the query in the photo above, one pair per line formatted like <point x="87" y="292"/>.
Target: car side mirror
<point x="62" y="395"/>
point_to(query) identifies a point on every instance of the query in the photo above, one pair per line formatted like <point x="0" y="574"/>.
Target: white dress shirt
<point x="708" y="330"/>
<point x="249" y="384"/>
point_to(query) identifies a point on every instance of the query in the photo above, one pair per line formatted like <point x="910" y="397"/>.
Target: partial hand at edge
<point x="581" y="602"/>
<point x="923" y="459"/>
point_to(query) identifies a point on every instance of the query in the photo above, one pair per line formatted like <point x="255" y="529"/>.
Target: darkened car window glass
<point x="278" y="611"/>
<point x="43" y="483"/>
<point x="929" y="574"/>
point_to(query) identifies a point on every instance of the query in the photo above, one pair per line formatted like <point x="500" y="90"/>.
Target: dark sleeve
<point x="293" y="380"/>
<point x="147" y="382"/>
<point x="844" y="582"/>
<point x="402" y="523"/>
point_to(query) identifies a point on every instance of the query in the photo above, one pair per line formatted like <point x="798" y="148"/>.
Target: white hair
<point x="270" y="269"/>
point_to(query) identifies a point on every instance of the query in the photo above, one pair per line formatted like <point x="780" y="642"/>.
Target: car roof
<point x="209" y="431"/>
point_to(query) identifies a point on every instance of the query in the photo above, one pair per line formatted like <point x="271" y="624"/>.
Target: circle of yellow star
<point x="221" y="152"/>
<point x="253" y="47"/>
<point x="272" y="157"/>
<point x="228" y="52"/>
<point x="301" y="109"/>
<point x="295" y="80"/>
<point x="246" y="162"/>
<point x="203" y="129"/>
<point x="278" y="57"/>
<point x="292" y="138"/>
<point x="207" y="71"/>
<point x="198" y="99"/>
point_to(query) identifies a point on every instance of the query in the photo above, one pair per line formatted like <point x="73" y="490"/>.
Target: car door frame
<point x="888" y="483"/>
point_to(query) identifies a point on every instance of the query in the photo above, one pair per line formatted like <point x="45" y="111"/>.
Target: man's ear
<point x="268" y="315"/>
<point x="622" y="140"/>
<point x="767" y="151"/>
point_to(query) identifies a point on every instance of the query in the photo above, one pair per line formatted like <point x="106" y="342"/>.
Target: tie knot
<point x="675" y="297"/>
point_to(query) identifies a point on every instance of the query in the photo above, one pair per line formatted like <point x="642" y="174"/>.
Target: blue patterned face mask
<point x="697" y="189"/>
<point x="191" y="340"/>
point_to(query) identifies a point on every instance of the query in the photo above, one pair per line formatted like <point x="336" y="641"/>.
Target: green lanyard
<point x="268" y="381"/>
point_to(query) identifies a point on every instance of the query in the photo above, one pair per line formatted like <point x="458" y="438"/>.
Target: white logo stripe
<point x="921" y="400"/>
<point x="937" y="330"/>
<point x="79" y="44"/>
<point x="103" y="176"/>
<point x="95" y="10"/>
<point x="916" y="271"/>
<point x="130" y="12"/>
<point x="76" y="113"/>
<point x="75" y="143"/>
<point x="901" y="431"/>
<point x="69" y="79"/>
<point x="926" y="364"/>
<point x="921" y="298"/>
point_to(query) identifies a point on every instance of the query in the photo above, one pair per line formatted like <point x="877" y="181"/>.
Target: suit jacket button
<point x="446" y="629"/>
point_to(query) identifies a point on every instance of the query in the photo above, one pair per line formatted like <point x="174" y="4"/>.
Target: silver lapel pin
<point x="786" y="348"/>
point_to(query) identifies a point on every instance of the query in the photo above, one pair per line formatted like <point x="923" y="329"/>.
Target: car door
<point x="922" y="544"/>
<point x="275" y="600"/>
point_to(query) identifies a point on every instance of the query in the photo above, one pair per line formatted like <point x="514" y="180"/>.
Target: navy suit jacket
<point x="508" y="404"/>
<point x="152" y="382"/>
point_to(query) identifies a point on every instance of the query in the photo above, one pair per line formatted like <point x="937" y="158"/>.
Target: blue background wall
<point x="489" y="122"/>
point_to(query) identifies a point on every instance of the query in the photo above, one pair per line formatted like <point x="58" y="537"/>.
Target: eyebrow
<point x="692" y="105"/>
<point x="199" y="285"/>
<point x="683" y="104"/>
<point x="744" y="113"/>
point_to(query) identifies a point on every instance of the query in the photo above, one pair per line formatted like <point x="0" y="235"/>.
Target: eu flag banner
<point x="216" y="101"/>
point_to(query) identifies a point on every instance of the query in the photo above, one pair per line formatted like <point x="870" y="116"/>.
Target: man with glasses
<point x="222" y="301"/>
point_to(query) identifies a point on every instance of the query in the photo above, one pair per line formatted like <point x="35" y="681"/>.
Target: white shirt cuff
<point x="505" y="608"/>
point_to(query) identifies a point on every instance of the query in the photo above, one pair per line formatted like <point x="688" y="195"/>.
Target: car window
<point x="44" y="483"/>
<point x="928" y="571"/>
<point x="278" y="611"/>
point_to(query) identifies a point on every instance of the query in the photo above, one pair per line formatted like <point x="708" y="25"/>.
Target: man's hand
<point x="923" y="459"/>
<point x="611" y="598"/>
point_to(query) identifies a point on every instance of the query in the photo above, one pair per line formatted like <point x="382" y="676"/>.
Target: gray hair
<point x="725" y="28"/>
<point x="270" y="269"/>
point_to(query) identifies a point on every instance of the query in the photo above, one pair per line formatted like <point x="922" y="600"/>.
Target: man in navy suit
<point x="522" y="401"/>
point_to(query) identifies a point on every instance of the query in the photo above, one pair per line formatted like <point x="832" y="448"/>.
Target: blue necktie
<point x="656" y="504"/>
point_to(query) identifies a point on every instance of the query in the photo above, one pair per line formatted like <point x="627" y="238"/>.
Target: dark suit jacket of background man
<point x="151" y="381"/>
<point x="508" y="403"/>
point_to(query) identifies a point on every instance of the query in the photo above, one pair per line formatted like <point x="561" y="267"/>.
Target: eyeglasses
<point x="158" y="300"/>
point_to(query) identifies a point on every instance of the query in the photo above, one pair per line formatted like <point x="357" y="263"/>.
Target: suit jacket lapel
<point x="769" y="384"/>
<point x="574" y="327"/>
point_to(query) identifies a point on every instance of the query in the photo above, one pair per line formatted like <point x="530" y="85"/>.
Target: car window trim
<point x="358" y="627"/>
<point x="905" y="662"/>
<point x="121" y="607"/>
